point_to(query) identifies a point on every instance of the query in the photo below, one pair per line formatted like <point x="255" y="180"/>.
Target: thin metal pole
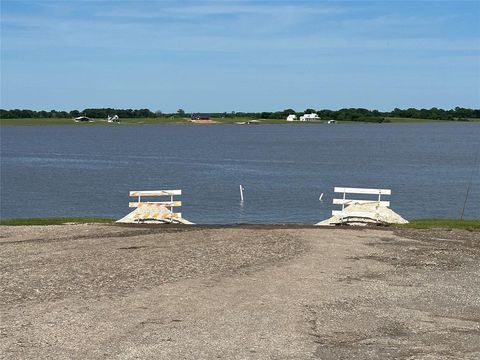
<point x="470" y="182"/>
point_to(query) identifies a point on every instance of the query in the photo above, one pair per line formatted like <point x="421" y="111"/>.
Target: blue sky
<point x="239" y="55"/>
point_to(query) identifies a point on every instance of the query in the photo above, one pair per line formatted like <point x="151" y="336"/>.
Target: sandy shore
<point x="259" y="292"/>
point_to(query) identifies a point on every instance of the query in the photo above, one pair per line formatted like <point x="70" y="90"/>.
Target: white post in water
<point x="241" y="193"/>
<point x="171" y="208"/>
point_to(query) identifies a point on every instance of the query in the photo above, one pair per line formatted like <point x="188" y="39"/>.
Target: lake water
<point x="89" y="170"/>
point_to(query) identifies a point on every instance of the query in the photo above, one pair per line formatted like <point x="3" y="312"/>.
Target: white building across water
<point x="309" y="117"/>
<point x="304" y="117"/>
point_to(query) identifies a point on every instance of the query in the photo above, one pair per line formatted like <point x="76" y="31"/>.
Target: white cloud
<point x="165" y="9"/>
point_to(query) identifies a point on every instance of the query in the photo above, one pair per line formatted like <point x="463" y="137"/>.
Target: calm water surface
<point x="89" y="170"/>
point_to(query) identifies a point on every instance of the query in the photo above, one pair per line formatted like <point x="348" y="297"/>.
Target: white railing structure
<point x="152" y="209"/>
<point x="346" y="202"/>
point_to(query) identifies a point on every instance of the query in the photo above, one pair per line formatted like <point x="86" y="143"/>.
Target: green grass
<point x="36" y="121"/>
<point x="55" y="221"/>
<point x="472" y="225"/>
<point x="58" y="121"/>
<point x="151" y="121"/>
<point x="411" y="120"/>
<point x="134" y="121"/>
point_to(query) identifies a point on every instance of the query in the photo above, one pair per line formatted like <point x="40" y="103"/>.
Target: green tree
<point x="287" y="112"/>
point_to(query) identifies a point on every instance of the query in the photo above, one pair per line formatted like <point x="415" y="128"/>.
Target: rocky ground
<point x="247" y="292"/>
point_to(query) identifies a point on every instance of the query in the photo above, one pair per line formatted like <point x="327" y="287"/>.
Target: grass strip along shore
<point x="446" y="224"/>
<point x="185" y="121"/>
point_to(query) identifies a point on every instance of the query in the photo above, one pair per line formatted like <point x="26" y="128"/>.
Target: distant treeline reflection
<point x="350" y="114"/>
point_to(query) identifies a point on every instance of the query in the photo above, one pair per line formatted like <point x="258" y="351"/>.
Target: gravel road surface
<point x="245" y="292"/>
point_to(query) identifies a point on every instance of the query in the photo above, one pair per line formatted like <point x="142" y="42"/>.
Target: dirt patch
<point x="204" y="122"/>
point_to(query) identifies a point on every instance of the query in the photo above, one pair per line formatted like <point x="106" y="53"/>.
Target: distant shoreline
<point x="214" y="121"/>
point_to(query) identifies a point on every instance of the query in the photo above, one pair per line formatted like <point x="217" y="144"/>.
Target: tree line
<point x="350" y="114"/>
<point x="361" y="114"/>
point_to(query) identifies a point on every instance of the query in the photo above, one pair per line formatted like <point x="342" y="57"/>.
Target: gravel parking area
<point x="244" y="292"/>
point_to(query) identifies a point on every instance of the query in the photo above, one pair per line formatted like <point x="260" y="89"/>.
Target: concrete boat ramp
<point x="251" y="292"/>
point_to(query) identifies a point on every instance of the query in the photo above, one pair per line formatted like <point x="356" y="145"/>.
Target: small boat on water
<point x="83" y="119"/>
<point x="251" y="122"/>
